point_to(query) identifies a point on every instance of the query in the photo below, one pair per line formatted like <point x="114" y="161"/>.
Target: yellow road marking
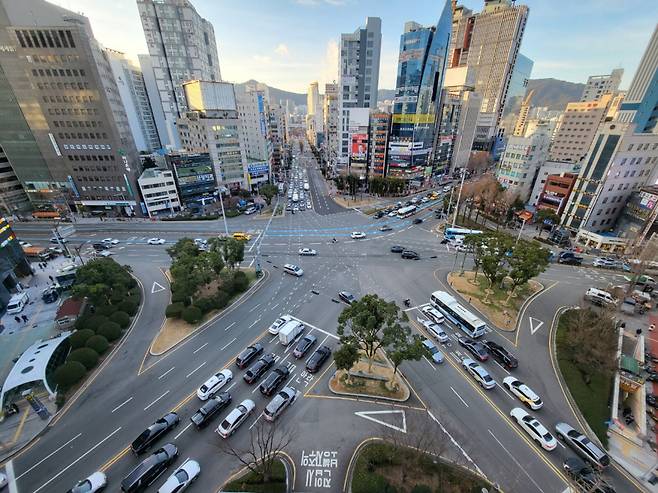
<point x="21" y="425"/>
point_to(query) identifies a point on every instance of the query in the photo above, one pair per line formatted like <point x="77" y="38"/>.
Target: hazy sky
<point x="289" y="43"/>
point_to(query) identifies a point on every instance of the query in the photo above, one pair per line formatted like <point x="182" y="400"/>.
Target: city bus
<point x="407" y="211"/>
<point x="471" y="325"/>
<point x="452" y="234"/>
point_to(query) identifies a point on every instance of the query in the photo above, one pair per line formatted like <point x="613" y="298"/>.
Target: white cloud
<point x="282" y="49"/>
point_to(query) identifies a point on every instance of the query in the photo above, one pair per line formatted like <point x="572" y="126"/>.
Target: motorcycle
<point x="652" y="400"/>
<point x="10" y="409"/>
<point x="407" y="302"/>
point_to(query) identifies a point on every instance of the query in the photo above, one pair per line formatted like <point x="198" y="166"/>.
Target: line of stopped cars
<point x="591" y="461"/>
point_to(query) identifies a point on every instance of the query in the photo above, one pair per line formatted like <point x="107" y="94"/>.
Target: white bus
<point x="452" y="234"/>
<point x="407" y="211"/>
<point x="471" y="325"/>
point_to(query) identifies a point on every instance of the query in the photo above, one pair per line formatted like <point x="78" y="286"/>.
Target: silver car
<point x="184" y="476"/>
<point x="582" y="445"/>
<point x="280" y="403"/>
<point x="95" y="482"/>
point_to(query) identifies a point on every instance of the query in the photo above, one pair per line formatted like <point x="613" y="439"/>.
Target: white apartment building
<point x="358" y="77"/>
<point x="132" y="90"/>
<point x="618" y="163"/>
<point x="182" y="47"/>
<point x="159" y="192"/>
<point x="315" y="116"/>
<point x="599" y="85"/>
<point x="549" y="168"/>
<point x="252" y="113"/>
<point x="521" y="161"/>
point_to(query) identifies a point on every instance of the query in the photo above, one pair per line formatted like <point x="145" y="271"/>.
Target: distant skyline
<point x="289" y="43"/>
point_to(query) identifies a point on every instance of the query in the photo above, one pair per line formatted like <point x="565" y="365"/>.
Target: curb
<point x="366" y="396"/>
<point x="259" y="282"/>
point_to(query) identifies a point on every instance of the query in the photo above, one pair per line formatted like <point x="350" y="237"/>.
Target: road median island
<point x="494" y="302"/>
<point x="381" y="466"/>
<point x="251" y="481"/>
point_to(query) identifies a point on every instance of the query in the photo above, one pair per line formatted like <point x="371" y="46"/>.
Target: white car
<point x="24" y="244"/>
<point x="478" y="372"/>
<point x="280" y="402"/>
<point x="524" y="393"/>
<point x="156" y="241"/>
<point x="213" y="384"/>
<point x="95" y="482"/>
<point x="278" y="323"/>
<point x="308" y="205"/>
<point x="357" y="235"/>
<point x="182" y="477"/>
<point x="3" y="480"/>
<point x="433" y="314"/>
<point x="392" y="214"/>
<point x="434" y="329"/>
<point x="105" y="253"/>
<point x="534" y="428"/>
<point x="250" y="211"/>
<point x="199" y="241"/>
<point x="235" y="418"/>
<point x="110" y="241"/>
<point x="307" y="251"/>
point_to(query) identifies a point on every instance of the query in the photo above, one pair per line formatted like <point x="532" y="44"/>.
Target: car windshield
<point x="225" y="424"/>
<point x="548" y="437"/>
<point x="82" y="487"/>
<point x="204" y="388"/>
<point x="182" y="476"/>
<point x="242" y="409"/>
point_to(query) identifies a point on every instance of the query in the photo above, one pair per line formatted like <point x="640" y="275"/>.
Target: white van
<point x="290" y="332"/>
<point x="600" y="297"/>
<point x="293" y="269"/>
<point x="17" y="303"/>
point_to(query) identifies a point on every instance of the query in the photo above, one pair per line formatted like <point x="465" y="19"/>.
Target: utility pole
<point x="221" y="202"/>
<point x="459" y="195"/>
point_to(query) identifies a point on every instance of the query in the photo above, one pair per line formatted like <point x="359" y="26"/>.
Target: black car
<point x="477" y="349"/>
<point x="379" y="214"/>
<point x="417" y="220"/>
<point x="208" y="411"/>
<point x="584" y="475"/>
<point x="248" y="355"/>
<point x="502" y="355"/>
<point x="270" y="385"/>
<point x="304" y="345"/>
<point x="317" y="359"/>
<point x="150" y="469"/>
<point x="258" y="368"/>
<point x="153" y="432"/>
<point x="49" y="295"/>
<point x="347" y="297"/>
<point x="99" y="247"/>
<point x="410" y="254"/>
<point x="397" y="249"/>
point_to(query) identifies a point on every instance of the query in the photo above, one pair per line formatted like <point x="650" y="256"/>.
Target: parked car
<point x="213" y="384"/>
<point x="316" y="360"/>
<point x="437" y="356"/>
<point x="280" y="402"/>
<point x="476" y="348"/>
<point x="347" y="297"/>
<point x="379" y="214"/>
<point x="502" y="355"/>
<point x="304" y="345"/>
<point x="235" y="418"/>
<point x="569" y="258"/>
<point x="258" y="368"/>
<point x="274" y="380"/>
<point x="96" y="482"/>
<point x="522" y="392"/>
<point x="182" y="477"/>
<point x="278" y="323"/>
<point x="150" y="469"/>
<point x="534" y="429"/>
<point x="480" y="375"/>
<point x="585" y="476"/>
<point x="158" y="429"/>
<point x="605" y="263"/>
<point x="248" y="355"/>
<point x="582" y="445"/>
<point x="207" y="412"/>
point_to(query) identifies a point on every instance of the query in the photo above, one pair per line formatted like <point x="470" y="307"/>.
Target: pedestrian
<point x="51" y="278"/>
<point x="24" y="317"/>
<point x="18" y="319"/>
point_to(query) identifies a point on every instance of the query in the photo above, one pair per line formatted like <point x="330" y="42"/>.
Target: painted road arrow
<point x="535" y="325"/>
<point x="368" y="415"/>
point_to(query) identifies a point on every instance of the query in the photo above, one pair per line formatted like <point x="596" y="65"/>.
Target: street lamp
<point x="459" y="195"/>
<point x="520" y="231"/>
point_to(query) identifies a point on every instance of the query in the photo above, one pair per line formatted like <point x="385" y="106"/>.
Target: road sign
<point x="368" y="415"/>
<point x="65" y="231"/>
<point x="535" y="325"/>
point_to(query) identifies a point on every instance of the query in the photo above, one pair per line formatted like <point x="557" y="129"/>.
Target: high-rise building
<point x="598" y="85"/>
<point x="63" y="83"/>
<point x="358" y="77"/>
<point x="577" y="128"/>
<point x="315" y="115"/>
<point x="130" y="82"/>
<point x="380" y="127"/>
<point x="489" y="42"/>
<point x="548" y="169"/>
<point x="252" y="113"/>
<point x="212" y="125"/>
<point x="359" y="131"/>
<point x="522" y="119"/>
<point x="182" y="47"/>
<point x="13" y="198"/>
<point x="421" y="70"/>
<point x="331" y="113"/>
<point x="276" y="139"/>
<point x="640" y="105"/>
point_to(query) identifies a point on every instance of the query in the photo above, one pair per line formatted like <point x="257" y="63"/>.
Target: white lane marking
<point x="44" y="459"/>
<point x="316" y="328"/>
<point x="415" y="307"/>
<point x="165" y="373"/>
<point x="430" y="363"/>
<point x="505" y="390"/>
<point x="515" y="461"/>
<point x="228" y="327"/>
<point x="252" y="261"/>
<point x="502" y="367"/>
<point x="122" y="404"/>
<point x="273" y="338"/>
<point x="455" y="443"/>
<point x="230" y="387"/>
<point x="193" y="371"/>
<point x="254" y="307"/>
<point x="255" y="322"/>
<point x="275" y="306"/>
<point x="459" y="396"/>
<point x="199" y="348"/>
<point x="256" y="421"/>
<point x="228" y="344"/>
<point x="11" y="481"/>
<point x="77" y="460"/>
<point x="156" y="400"/>
<point x="182" y="431"/>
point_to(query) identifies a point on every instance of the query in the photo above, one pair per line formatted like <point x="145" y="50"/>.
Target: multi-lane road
<point x="135" y="388"/>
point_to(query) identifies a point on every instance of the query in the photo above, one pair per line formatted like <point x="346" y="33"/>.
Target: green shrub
<point x="94" y="322"/>
<point x="228" y="285"/>
<point x="205" y="304"/>
<point x="110" y="330"/>
<point x="60" y="400"/>
<point x="221" y="299"/>
<point x="121" y="318"/>
<point x="421" y="488"/>
<point x="87" y="356"/>
<point x="174" y="310"/>
<point x="69" y="374"/>
<point x="241" y="281"/>
<point x="106" y="310"/>
<point x="371" y="483"/>
<point x="128" y="307"/>
<point x="232" y="213"/>
<point x="135" y="296"/>
<point x="98" y="344"/>
<point x="180" y="297"/>
<point x="191" y="314"/>
<point x="79" y="338"/>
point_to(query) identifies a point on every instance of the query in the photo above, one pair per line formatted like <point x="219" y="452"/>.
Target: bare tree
<point x="266" y="442"/>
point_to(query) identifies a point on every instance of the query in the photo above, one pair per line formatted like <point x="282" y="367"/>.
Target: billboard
<point x="359" y="146"/>
<point x="413" y="118"/>
<point x="258" y="169"/>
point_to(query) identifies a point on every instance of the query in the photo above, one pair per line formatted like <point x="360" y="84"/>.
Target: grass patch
<point x="384" y="468"/>
<point x="592" y="399"/>
<point x="253" y="482"/>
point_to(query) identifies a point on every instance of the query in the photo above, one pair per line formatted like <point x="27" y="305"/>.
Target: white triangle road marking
<point x="535" y="325"/>
<point x="367" y="415"/>
<point x="157" y="287"/>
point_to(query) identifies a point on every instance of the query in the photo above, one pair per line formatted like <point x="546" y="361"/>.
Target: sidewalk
<point x="20" y="429"/>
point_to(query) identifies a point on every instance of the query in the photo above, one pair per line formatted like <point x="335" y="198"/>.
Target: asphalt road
<point x="133" y="388"/>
